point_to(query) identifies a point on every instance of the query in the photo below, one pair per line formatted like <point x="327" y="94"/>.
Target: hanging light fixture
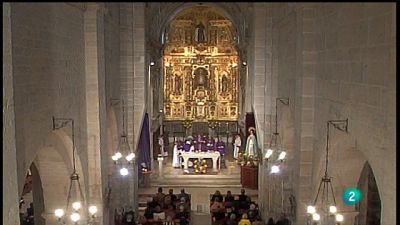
<point x="328" y="202"/>
<point x="275" y="145"/>
<point x="75" y="199"/>
<point x="123" y="151"/>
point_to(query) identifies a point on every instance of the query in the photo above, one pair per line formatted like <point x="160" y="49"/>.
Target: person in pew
<point x="169" y="221"/>
<point x="148" y="212"/>
<point x="184" y="195"/>
<point x="217" y="194"/>
<point x="182" y="215"/>
<point x="229" y="198"/>
<point x="170" y="199"/>
<point x="129" y="217"/>
<point x="158" y="214"/>
<point x="244" y="201"/>
<point x="257" y="221"/>
<point x="217" y="211"/>
<point x="231" y="220"/>
<point x="242" y="196"/>
<point x="184" y="204"/>
<point x="270" y="221"/>
<point x="170" y="211"/>
<point x="183" y="221"/>
<point x="153" y="203"/>
<point x="244" y="220"/>
<point x="160" y="197"/>
<point x="252" y="212"/>
<point x="283" y="220"/>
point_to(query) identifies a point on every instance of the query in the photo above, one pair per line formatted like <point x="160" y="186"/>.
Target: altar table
<point x="215" y="156"/>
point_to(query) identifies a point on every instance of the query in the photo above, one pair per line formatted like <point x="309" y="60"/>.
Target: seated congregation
<point x="168" y="209"/>
<point x="233" y="209"/>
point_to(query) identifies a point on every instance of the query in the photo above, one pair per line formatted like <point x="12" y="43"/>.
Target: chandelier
<point x="123" y="150"/>
<point x="75" y="194"/>
<point x="275" y="144"/>
<point x="327" y="204"/>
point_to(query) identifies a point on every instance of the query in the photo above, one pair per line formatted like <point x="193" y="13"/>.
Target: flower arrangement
<point x="200" y="166"/>
<point x="245" y="160"/>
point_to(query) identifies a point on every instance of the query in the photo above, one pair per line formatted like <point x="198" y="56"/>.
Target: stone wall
<point x="342" y="66"/>
<point x="48" y="55"/>
<point x="333" y="61"/>
<point x="355" y="79"/>
<point x="52" y="77"/>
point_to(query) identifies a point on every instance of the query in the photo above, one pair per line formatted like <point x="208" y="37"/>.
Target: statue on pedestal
<point x="251" y="144"/>
<point x="200" y="33"/>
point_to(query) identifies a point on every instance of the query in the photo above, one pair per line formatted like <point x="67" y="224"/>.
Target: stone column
<point x="10" y="190"/>
<point x="260" y="70"/>
<point x="305" y="94"/>
<point x="95" y="105"/>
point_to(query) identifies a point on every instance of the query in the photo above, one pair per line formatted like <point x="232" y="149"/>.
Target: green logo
<point x="351" y="196"/>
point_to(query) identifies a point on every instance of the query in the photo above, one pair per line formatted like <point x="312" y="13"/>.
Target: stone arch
<point x="38" y="198"/>
<point x="53" y="163"/>
<point x="369" y="208"/>
<point x="346" y="162"/>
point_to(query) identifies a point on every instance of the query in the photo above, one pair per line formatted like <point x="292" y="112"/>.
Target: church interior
<point x="200" y="113"/>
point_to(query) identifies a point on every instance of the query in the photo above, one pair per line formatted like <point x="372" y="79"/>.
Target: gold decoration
<point x="201" y="76"/>
<point x="187" y="124"/>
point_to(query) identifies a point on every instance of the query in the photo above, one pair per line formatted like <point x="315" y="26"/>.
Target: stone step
<point x="196" y="185"/>
<point x="202" y="176"/>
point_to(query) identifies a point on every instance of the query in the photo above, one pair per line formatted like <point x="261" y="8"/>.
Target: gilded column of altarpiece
<point x="201" y="71"/>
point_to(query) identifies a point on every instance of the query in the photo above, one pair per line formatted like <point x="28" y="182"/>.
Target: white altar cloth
<point x="215" y="156"/>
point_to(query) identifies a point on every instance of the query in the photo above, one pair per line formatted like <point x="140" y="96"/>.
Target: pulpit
<point x="249" y="177"/>
<point x="146" y="178"/>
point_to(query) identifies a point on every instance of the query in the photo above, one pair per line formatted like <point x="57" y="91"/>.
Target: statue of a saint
<point x="224" y="83"/>
<point x="200" y="33"/>
<point x="251" y="144"/>
<point x="178" y="84"/>
<point x="200" y="77"/>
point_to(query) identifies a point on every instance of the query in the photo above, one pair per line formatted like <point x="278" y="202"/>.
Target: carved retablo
<point x="201" y="68"/>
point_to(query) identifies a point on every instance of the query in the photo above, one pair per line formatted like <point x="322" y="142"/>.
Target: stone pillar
<point x="307" y="40"/>
<point x="10" y="190"/>
<point x="260" y="70"/>
<point x="95" y="105"/>
<point x="137" y="103"/>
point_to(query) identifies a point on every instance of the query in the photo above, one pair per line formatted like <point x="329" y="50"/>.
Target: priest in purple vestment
<point x="210" y="144"/>
<point x="220" y="147"/>
<point x="198" y="143"/>
<point x="187" y="145"/>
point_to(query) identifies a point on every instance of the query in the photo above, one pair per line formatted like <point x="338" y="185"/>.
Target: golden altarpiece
<point x="201" y="76"/>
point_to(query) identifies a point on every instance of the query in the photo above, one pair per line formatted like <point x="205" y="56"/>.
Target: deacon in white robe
<point x="162" y="149"/>
<point x="236" y="147"/>
<point x="175" y="158"/>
